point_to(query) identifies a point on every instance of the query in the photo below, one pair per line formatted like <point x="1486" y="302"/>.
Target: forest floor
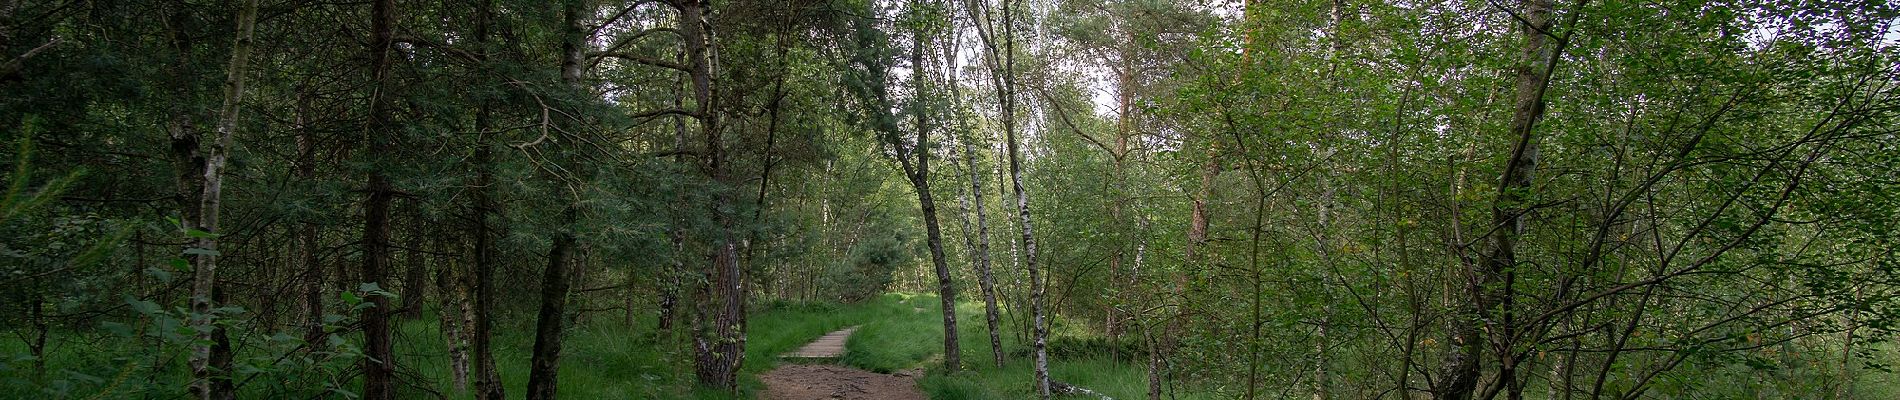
<point x="822" y="382"/>
<point x="819" y="382"/>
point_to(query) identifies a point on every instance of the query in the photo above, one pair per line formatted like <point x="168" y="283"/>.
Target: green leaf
<point x="372" y="289"/>
<point x="200" y="234"/>
<point x="159" y="273"/>
<point x="118" y="329"/>
<point x="202" y="252"/>
<point x="142" y="306"/>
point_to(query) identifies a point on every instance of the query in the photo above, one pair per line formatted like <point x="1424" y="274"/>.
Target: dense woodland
<point x="1459" y="199"/>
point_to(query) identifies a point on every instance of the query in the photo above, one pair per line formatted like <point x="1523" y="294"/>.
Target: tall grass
<point x="901" y="332"/>
<point x="909" y="334"/>
<point x="607" y="359"/>
<point x="603" y="358"/>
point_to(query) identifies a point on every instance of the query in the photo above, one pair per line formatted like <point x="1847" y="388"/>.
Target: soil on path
<point x="828" y="382"/>
<point x="829" y="346"/>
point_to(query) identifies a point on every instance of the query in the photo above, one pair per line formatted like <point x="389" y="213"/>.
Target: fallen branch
<point x="1064" y="388"/>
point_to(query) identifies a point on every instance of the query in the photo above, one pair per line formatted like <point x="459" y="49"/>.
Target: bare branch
<point x="665" y="111"/>
<point x="616" y="17"/>
<point x="464" y="55"/>
<point x="639" y="59"/>
<point x="14" y="65"/>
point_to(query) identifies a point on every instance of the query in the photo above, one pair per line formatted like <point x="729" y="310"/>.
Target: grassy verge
<point x="900" y="332"/>
<point x="603" y="358"/>
<point x="909" y="334"/>
<point x="607" y="359"/>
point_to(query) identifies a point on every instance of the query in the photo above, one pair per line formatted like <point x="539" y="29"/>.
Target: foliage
<point x="1262" y="198"/>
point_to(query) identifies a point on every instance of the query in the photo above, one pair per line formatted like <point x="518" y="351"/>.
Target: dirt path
<point x="827" y="382"/>
<point x="831" y="345"/>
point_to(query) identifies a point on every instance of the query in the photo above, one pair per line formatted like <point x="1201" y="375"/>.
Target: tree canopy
<point x="1239" y="199"/>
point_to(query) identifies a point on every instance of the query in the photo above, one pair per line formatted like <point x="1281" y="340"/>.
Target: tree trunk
<point x="1117" y="221"/>
<point x="980" y="256"/>
<point x="452" y="308"/>
<point x="670" y="285"/>
<point x="488" y="385"/>
<point x="211" y="356"/>
<point x="41" y="331"/>
<point x="1001" y="61"/>
<point x="1039" y="333"/>
<point x="378" y="362"/>
<point x="414" y="281"/>
<point x="980" y="253"/>
<point x="719" y="340"/>
<point x="188" y="162"/>
<point x="544" y="368"/>
<point x="1194" y="255"/>
<point x="1489" y="306"/>
<point x="933" y="232"/>
<point x="309" y="246"/>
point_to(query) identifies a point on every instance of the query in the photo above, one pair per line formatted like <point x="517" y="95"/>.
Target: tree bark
<point x="1005" y="88"/>
<point x="488" y="385"/>
<point x="980" y="245"/>
<point x="309" y="246"/>
<point x="379" y="362"/>
<point x="414" y="282"/>
<point x="920" y="181"/>
<point x="211" y="361"/>
<point x="719" y="339"/>
<point x="1117" y="222"/>
<point x="1194" y="255"/>
<point x="544" y="368"/>
<point x="188" y="163"/>
<point x="452" y="310"/>
<point x="1489" y="289"/>
<point x="670" y="285"/>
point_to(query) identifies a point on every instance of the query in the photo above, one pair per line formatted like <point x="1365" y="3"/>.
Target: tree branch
<point x="638" y="59"/>
<point x="616" y="17"/>
<point x="464" y="55"/>
<point x="664" y="111"/>
<point x="13" y="66"/>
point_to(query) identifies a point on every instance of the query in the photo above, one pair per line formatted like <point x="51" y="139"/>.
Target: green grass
<point x="898" y="335"/>
<point x="607" y="358"/>
<point x="1014" y="381"/>
<point x="910" y="335"/>
<point x="603" y="358"/>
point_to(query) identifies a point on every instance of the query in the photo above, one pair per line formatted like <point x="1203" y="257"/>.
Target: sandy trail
<point x="828" y="382"/>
